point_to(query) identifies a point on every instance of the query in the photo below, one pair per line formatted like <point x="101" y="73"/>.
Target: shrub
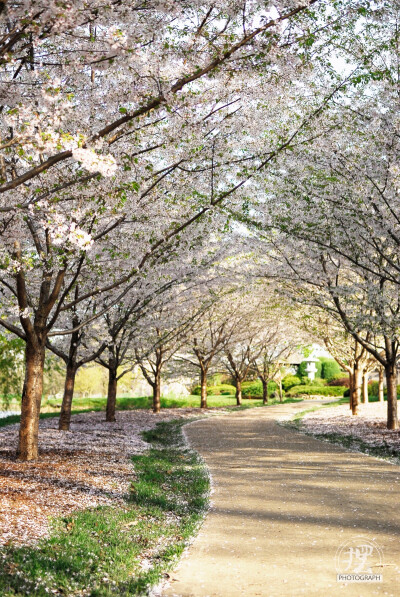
<point x="306" y="381"/>
<point x="318" y="381"/>
<point x="301" y="369"/>
<point x="289" y="381"/>
<point x="330" y="368"/>
<point x="341" y="375"/>
<point x="223" y="389"/>
<point x="373" y="387"/>
<point x="275" y="394"/>
<point x="341" y="381"/>
<point x="317" y="390"/>
<point x="252" y="388"/>
<point x="255" y="388"/>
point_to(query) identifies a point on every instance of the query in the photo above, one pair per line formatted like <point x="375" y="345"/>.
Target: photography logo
<point x="357" y="560"/>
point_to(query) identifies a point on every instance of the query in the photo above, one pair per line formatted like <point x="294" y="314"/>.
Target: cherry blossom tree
<point x="346" y="350"/>
<point x="276" y="343"/>
<point x="100" y="180"/>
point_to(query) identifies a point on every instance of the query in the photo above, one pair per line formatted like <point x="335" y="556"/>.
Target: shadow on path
<point x="283" y="503"/>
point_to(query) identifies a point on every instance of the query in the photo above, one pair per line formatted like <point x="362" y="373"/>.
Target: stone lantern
<point x="311" y="368"/>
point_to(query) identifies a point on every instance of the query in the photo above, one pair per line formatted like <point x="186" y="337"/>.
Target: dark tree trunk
<point x="365" y="388"/>
<point x="238" y="392"/>
<point x="157" y="393"/>
<point x="380" y="385"/>
<point x="65" y="416"/>
<point x="280" y="390"/>
<point x="203" y="388"/>
<point x="391" y="385"/>
<point x="351" y="388"/>
<point x="265" y="391"/>
<point x="357" y="380"/>
<point x="112" y="394"/>
<point x="31" y="400"/>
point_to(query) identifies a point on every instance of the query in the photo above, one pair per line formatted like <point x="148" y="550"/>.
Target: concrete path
<point x="283" y="504"/>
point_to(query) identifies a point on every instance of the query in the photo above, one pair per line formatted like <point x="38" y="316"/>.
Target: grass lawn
<point x="145" y="402"/>
<point x="119" y="550"/>
<point x="129" y="403"/>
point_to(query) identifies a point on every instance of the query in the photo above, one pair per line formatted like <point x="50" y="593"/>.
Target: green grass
<point x="130" y="403"/>
<point x="102" y="550"/>
<point x="82" y="405"/>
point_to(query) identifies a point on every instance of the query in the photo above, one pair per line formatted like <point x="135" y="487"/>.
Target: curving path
<point x="282" y="505"/>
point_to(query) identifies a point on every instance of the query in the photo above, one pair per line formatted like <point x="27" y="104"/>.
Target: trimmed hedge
<point x="317" y="390"/>
<point x="326" y="368"/>
<point x="330" y="368"/>
<point x="254" y="388"/>
<point x="223" y="389"/>
<point x="289" y="381"/>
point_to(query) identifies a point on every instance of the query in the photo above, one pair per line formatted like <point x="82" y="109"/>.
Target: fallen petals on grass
<point x="369" y="427"/>
<point x="83" y="468"/>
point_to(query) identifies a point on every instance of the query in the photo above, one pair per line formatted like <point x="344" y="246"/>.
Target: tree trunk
<point x="112" y="395"/>
<point x="391" y="385"/>
<point x="65" y="416"/>
<point x="357" y="379"/>
<point x="380" y="386"/>
<point x="157" y="394"/>
<point x="203" y="388"/>
<point x="31" y="401"/>
<point x="238" y="392"/>
<point x="265" y="391"/>
<point x="280" y="390"/>
<point x="351" y="388"/>
<point x="365" y="388"/>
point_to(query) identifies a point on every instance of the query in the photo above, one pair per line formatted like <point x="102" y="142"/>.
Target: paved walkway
<point x="283" y="504"/>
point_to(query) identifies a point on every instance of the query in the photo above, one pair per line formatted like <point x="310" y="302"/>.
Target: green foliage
<point x="103" y="548"/>
<point x="54" y="375"/>
<point x="143" y="402"/>
<point x="255" y="388"/>
<point x="373" y="388"/>
<point x="341" y="375"/>
<point x="301" y="369"/>
<point x="318" y="381"/>
<point x="221" y="390"/>
<point x="289" y="381"/>
<point x="330" y="368"/>
<point x="218" y="379"/>
<point x="91" y="380"/>
<point x="317" y="390"/>
<point x="326" y="369"/>
<point x="11" y="366"/>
